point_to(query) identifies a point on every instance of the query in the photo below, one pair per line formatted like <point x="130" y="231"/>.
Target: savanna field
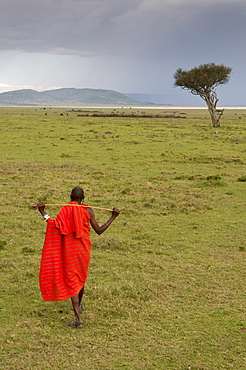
<point x="166" y="287"/>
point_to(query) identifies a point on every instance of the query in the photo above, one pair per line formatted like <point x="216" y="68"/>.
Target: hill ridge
<point x="67" y="97"/>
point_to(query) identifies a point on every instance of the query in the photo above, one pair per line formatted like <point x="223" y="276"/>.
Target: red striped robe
<point x="66" y="254"/>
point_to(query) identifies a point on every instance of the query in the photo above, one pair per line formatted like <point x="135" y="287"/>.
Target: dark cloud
<point x="214" y="32"/>
<point x="57" y="25"/>
<point x="132" y="28"/>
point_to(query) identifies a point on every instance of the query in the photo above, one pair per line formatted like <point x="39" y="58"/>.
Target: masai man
<point x="66" y="252"/>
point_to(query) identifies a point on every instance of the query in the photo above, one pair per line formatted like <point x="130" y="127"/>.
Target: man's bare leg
<point x="80" y="298"/>
<point x="76" y="309"/>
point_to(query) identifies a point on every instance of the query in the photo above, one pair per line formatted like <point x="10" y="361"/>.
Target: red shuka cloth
<point x="66" y="254"/>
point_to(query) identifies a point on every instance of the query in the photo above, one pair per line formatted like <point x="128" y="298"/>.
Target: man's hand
<point x="115" y="212"/>
<point x="41" y="207"/>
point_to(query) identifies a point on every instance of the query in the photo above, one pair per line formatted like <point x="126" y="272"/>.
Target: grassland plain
<point x="166" y="288"/>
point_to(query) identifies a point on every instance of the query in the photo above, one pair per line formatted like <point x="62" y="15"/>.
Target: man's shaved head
<point x="77" y="193"/>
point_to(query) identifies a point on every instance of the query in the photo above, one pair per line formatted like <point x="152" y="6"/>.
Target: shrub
<point x="242" y="178"/>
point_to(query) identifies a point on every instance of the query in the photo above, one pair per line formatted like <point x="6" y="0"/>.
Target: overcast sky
<point x="131" y="46"/>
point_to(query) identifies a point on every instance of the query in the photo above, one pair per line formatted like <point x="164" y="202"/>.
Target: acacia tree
<point x="202" y="81"/>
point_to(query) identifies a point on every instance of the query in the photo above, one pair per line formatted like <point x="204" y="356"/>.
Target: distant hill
<point x="68" y="97"/>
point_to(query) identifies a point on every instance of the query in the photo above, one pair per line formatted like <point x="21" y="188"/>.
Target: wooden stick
<point x="35" y="206"/>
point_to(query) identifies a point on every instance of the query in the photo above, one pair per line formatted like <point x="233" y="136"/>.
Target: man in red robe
<point x="66" y="252"/>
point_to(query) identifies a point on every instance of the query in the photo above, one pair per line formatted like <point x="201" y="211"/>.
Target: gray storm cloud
<point x="137" y="28"/>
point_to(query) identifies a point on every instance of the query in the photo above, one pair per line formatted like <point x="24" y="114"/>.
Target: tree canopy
<point x="202" y="79"/>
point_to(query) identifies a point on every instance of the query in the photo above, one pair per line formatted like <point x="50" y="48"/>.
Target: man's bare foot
<point x="76" y="325"/>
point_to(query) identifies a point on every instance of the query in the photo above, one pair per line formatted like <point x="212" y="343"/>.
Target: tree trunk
<point x="214" y="116"/>
<point x="211" y="102"/>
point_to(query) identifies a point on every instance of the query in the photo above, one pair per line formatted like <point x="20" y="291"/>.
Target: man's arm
<point x="100" y="229"/>
<point x="41" y="207"/>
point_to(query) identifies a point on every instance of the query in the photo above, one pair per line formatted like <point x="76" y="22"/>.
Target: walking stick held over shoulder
<point x="34" y="206"/>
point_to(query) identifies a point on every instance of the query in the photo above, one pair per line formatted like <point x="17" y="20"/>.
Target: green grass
<point x="166" y="288"/>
